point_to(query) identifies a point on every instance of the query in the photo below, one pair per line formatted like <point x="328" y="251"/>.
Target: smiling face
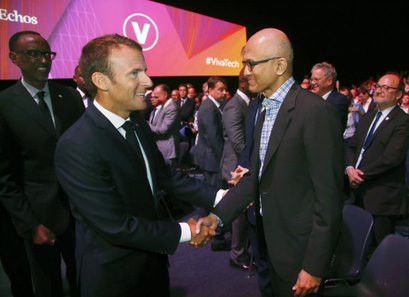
<point x="124" y="91"/>
<point x="387" y="92"/>
<point x="320" y="82"/>
<point x="34" y="70"/>
<point x="267" y="61"/>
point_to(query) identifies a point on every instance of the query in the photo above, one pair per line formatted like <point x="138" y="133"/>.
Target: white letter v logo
<point x="141" y="36"/>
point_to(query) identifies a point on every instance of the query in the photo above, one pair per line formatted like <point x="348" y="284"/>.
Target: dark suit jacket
<point x="340" y="104"/>
<point x="234" y="123"/>
<point x="28" y="185"/>
<point x="186" y="111"/>
<point x="384" y="190"/>
<point x="209" y="147"/>
<point x="252" y="118"/>
<point x="116" y="213"/>
<point x="300" y="186"/>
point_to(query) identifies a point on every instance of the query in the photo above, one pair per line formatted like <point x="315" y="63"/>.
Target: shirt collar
<point x="115" y="119"/>
<point x="326" y="95"/>
<point x="386" y="111"/>
<point x="33" y="90"/>
<point x="244" y="96"/>
<point x="283" y="90"/>
<point x="214" y="101"/>
<point x="82" y="94"/>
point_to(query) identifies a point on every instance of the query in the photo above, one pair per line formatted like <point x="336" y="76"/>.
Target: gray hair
<point x="328" y="69"/>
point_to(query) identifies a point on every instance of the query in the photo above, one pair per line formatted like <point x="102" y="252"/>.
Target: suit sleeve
<point x="11" y="194"/>
<point x="394" y="153"/>
<point x="232" y="123"/>
<point x="326" y="170"/>
<point x="169" y="122"/>
<point x="208" y="126"/>
<point x="95" y="200"/>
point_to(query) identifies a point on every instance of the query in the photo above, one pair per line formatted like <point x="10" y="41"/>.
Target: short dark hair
<point x="213" y="80"/>
<point x="165" y="88"/>
<point x="95" y="57"/>
<point x="16" y="36"/>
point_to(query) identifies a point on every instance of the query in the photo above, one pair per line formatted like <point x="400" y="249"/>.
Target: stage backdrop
<point x="176" y="42"/>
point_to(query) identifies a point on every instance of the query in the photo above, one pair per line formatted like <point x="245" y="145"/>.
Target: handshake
<point x="203" y="230"/>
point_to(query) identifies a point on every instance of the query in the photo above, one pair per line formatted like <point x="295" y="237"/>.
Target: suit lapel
<point x="385" y="123"/>
<point x="30" y="108"/>
<point x="58" y="107"/>
<point x="280" y="125"/>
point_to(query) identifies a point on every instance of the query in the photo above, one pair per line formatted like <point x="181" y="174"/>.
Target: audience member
<point x="234" y="124"/>
<point x="323" y="80"/>
<point x="33" y="114"/>
<point x="376" y="156"/>
<point x="165" y="125"/>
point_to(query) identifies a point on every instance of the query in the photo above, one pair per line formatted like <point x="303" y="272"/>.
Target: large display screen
<point x="175" y="42"/>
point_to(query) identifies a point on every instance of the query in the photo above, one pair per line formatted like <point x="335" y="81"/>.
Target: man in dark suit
<point x="376" y="156"/>
<point x="187" y="105"/>
<point x="112" y="172"/>
<point x="295" y="179"/>
<point x="323" y="80"/>
<point x="13" y="257"/>
<point x="33" y="114"/>
<point x="209" y="147"/>
<point x="234" y="124"/>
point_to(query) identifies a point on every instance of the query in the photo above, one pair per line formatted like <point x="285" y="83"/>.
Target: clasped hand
<point x="203" y="230"/>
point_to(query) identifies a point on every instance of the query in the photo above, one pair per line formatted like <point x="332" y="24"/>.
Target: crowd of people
<point x="87" y="175"/>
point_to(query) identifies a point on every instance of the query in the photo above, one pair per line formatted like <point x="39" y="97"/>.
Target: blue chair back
<point x="387" y="272"/>
<point x="352" y="249"/>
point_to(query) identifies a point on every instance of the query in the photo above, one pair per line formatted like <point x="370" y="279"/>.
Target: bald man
<point x="295" y="177"/>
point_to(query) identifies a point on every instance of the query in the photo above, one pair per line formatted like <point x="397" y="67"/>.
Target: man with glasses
<point x="33" y="114"/>
<point x="376" y="157"/>
<point x="323" y="81"/>
<point x="295" y="177"/>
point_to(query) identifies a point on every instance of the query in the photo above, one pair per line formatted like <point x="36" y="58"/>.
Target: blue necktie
<point x="371" y="133"/>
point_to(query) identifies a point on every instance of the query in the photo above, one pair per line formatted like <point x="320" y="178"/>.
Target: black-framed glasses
<point x="251" y="64"/>
<point x="36" y="54"/>
<point x="385" y="88"/>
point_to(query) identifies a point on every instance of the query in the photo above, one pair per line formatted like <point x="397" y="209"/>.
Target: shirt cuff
<point x="346" y="169"/>
<point x="185" y="235"/>
<point x="219" y="196"/>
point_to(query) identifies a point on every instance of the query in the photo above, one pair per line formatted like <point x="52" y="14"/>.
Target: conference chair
<point x="386" y="274"/>
<point x="351" y="253"/>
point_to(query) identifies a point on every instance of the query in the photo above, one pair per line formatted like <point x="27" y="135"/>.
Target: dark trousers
<point x="125" y="277"/>
<point x="259" y="250"/>
<point x="239" y="239"/>
<point x="383" y="226"/>
<point x="14" y="259"/>
<point x="45" y="265"/>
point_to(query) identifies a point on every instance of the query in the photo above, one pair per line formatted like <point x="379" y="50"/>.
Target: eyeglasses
<point x="385" y="88"/>
<point x="251" y="64"/>
<point x="35" y="54"/>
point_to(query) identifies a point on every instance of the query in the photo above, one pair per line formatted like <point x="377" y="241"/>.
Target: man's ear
<point x="101" y="81"/>
<point x="13" y="57"/>
<point x="282" y="66"/>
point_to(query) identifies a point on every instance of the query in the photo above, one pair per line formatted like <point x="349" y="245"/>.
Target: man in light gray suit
<point x="234" y="124"/>
<point x="164" y="123"/>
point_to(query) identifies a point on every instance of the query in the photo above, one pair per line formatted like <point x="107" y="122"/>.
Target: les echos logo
<point x="16" y="17"/>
